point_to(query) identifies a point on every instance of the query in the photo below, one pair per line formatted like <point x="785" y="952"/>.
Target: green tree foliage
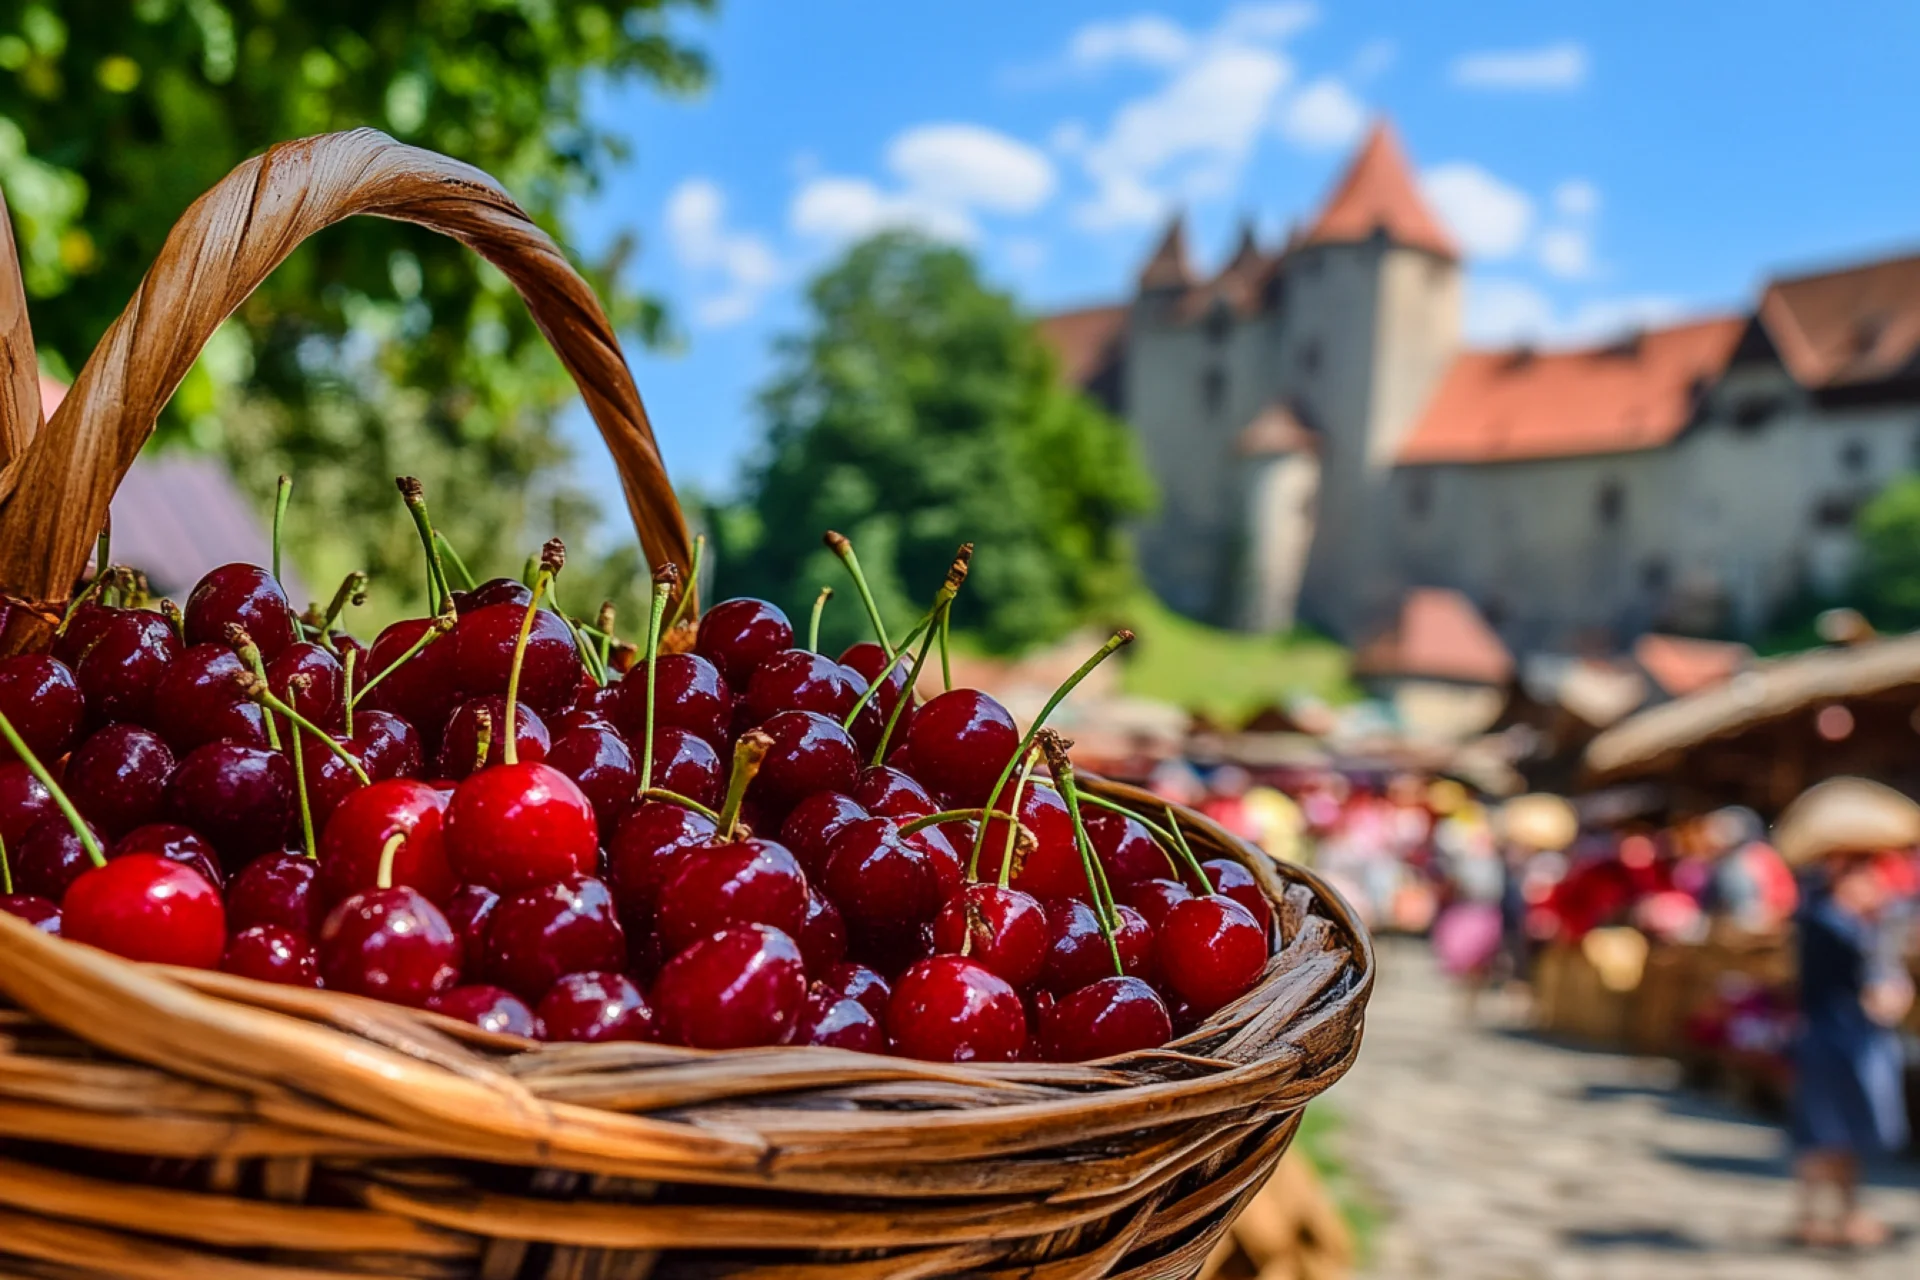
<point x="1888" y="529"/>
<point x="920" y="410"/>
<point x="378" y="348"/>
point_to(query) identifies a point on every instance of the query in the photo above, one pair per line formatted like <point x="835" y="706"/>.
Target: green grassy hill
<point x="1226" y="675"/>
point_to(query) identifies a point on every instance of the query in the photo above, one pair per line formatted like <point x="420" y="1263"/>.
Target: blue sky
<point x="1603" y="164"/>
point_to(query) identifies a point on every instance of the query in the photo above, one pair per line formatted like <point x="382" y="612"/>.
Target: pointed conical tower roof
<point x="1379" y="194"/>
<point x="1246" y="249"/>
<point x="1168" y="267"/>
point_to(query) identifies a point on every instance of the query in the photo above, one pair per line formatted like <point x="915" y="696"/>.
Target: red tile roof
<point x="1378" y="193"/>
<point x="1836" y="328"/>
<point x="1168" y="267"/>
<point x="1086" y="341"/>
<point x="1439" y="635"/>
<point x="1681" y="665"/>
<point x="1495" y="406"/>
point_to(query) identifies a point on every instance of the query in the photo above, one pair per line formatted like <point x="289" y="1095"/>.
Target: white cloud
<point x="1148" y="40"/>
<point x="1266" y="22"/>
<point x="1555" y="66"/>
<point x="1490" y="218"/>
<point x="1323" y="115"/>
<point x="1069" y="137"/>
<point x="837" y="209"/>
<point x="1576" y="198"/>
<point x="1374" y="58"/>
<point x="740" y="264"/>
<point x="967" y="166"/>
<point x="1502" y="311"/>
<point x="1566" y="252"/>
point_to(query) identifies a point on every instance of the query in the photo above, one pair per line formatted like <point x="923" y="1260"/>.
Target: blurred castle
<point x="1327" y="447"/>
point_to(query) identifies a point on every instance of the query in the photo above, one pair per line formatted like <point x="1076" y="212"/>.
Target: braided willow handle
<point x="57" y="491"/>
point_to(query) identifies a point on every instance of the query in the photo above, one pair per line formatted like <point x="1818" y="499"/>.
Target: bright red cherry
<point x="880" y="882"/>
<point x="809" y="753"/>
<point x="857" y="982"/>
<point x="50" y="859"/>
<point x="960" y="741"/>
<point x="800" y="680"/>
<point x="117" y="778"/>
<point x="1232" y="880"/>
<point x="124" y="662"/>
<point x="175" y="843"/>
<point x="720" y="884"/>
<point x="494" y="591"/>
<point x="1209" y="951"/>
<point x="24" y="800"/>
<point x="36" y="911"/>
<point x="147" y="908"/>
<point x="949" y="1009"/>
<point x="867" y="659"/>
<point x="1103" y="1020"/>
<point x="814" y="822"/>
<point x="490" y="1009"/>
<point x="836" y="1022"/>
<point x="392" y="944"/>
<point x="42" y="700"/>
<point x="356" y="837"/>
<point x="469" y="911"/>
<point x="276" y="889"/>
<point x="1004" y="930"/>
<point x="643" y="854"/>
<point x="239" y="797"/>
<point x="591" y="752"/>
<point x="325" y="694"/>
<point x="737" y="636"/>
<point x="949" y="868"/>
<point x="692" y="696"/>
<point x="823" y="934"/>
<point x="197" y="700"/>
<point x="329" y="779"/>
<point x="424" y="690"/>
<point x="1126" y="849"/>
<point x="596" y="1007"/>
<point x="460" y="740"/>
<point x="483" y="645"/>
<point x="686" y="765"/>
<point x="889" y="793"/>
<point x="513" y="826"/>
<point x="536" y="936"/>
<point x="732" y="990"/>
<point x="388" y="747"/>
<point x="346" y="646"/>
<point x="1077" y="951"/>
<point x="1052" y="868"/>
<point x="1152" y="898"/>
<point x="271" y="953"/>
<point x="245" y="594"/>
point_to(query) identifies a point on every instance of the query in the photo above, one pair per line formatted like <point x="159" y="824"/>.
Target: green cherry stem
<point x="255" y="689"/>
<point x="860" y="703"/>
<point x="249" y="652"/>
<point x="54" y="789"/>
<point x="842" y="546"/>
<point x="103" y="550"/>
<point x="1019" y="795"/>
<point x="282" y="494"/>
<point x="1056" y="748"/>
<point x="946" y="656"/>
<point x="1186" y="851"/>
<point x="442" y="624"/>
<point x="449" y="554"/>
<point x="692" y="582"/>
<point x="954" y="815"/>
<point x="813" y="626"/>
<point x="415" y="496"/>
<point x="553" y="557"/>
<point x="346" y="681"/>
<point x="604" y="621"/>
<point x="1171" y="845"/>
<point x="300" y="775"/>
<point x="383" y="877"/>
<point x="685" y="802"/>
<point x="663" y="581"/>
<point x="175" y="619"/>
<point x="90" y="591"/>
<point x="352" y="590"/>
<point x="747" y="755"/>
<point x="6" y="871"/>
<point x="942" y="601"/>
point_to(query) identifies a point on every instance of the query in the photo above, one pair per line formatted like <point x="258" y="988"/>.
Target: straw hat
<point x="1539" y="821"/>
<point x="1845" y="815"/>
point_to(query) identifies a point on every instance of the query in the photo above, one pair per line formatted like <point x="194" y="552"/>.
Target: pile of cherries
<point x="735" y="845"/>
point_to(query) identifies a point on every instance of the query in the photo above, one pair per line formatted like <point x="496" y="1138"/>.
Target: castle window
<point x="1310" y="356"/>
<point x="1834" y="512"/>
<point x="1219" y="323"/>
<point x="1419" y="494"/>
<point x="1853" y="457"/>
<point x="1213" y="391"/>
<point x="1273" y="297"/>
<point x="1611" y="504"/>
<point x="1752" y="413"/>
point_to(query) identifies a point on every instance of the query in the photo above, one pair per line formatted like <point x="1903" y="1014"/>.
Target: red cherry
<point x="732" y="990"/>
<point x="245" y="594"/>
<point x="86" y="625"/>
<point x="1152" y="898"/>
<point x="388" y="746"/>
<point x="50" y="859"/>
<point x="117" y="778"/>
<point x="513" y="826"/>
<point x="1103" y="1020"/>
<point x="329" y="779"/>
<point x="460" y="740"/>
<point x="601" y="700"/>
<point x="536" y="936"/>
<point x="483" y="646"/>
<point x="644" y="852"/>
<point x="36" y="911"/>
<point x="346" y="646"/>
<point x="591" y="752"/>
<point x="1127" y="850"/>
<point x="687" y="765"/>
<point x="239" y="797"/>
<point x="1209" y="951"/>
<point x="867" y="659"/>
<point x="120" y="668"/>
<point x="147" y="908"/>
<point x="838" y="1023"/>
<point x="275" y="889"/>
<point x="24" y="800"/>
<point x="800" y="680"/>
<point x="892" y="949"/>
<point x="960" y="741"/>
<point x="814" y="822"/>
<point x="823" y="934"/>
<point x="1003" y="930"/>
<point x="197" y="700"/>
<point x="1232" y="880"/>
<point x="809" y="753"/>
<point x="1133" y="936"/>
<point x="857" y="982"/>
<point x="596" y="1007"/>
<point x="490" y="1009"/>
<point x="42" y="700"/>
<point x="948" y="1009"/>
<point x="392" y="944"/>
<point x="1052" y="868"/>
<point x="1077" y="951"/>
<point x="424" y="690"/>
<point x="691" y="693"/>
<point x="880" y="882"/>
<point x="720" y="884"/>
<point x="325" y="695"/>
<point x="494" y="591"/>
<point x="887" y="792"/>
<point x="469" y="911"/>
<point x="356" y="837"/>
<point x="175" y="843"/>
<point x="949" y="868"/>
<point x="270" y="953"/>
<point x="738" y="635"/>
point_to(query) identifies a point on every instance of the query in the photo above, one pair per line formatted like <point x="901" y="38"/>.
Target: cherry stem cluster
<point x="842" y="546"/>
<point x="1056" y="748"/>
<point x="255" y="689"/>
<point x="249" y="653"/>
<point x="942" y="602"/>
<point x="921" y="823"/>
<point x="692" y="582"/>
<point x="47" y="780"/>
<point x="300" y="772"/>
<point x="415" y="496"/>
<point x="685" y="802"/>
<point x="1019" y="794"/>
<point x="663" y="580"/>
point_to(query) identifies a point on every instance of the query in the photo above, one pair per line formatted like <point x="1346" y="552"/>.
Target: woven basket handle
<point x="57" y="494"/>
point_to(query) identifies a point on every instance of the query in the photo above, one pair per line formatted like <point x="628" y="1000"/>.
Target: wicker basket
<point x="159" y="1122"/>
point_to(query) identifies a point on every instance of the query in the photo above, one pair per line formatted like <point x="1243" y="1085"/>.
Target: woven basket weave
<point x="158" y="1122"/>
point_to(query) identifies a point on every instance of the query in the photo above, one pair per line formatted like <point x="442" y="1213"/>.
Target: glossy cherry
<point x="1231" y="879"/>
<point x="880" y="882"/>
<point x="1104" y="1019"/>
<point x="799" y="680"/>
<point x="117" y="778"/>
<point x="591" y="751"/>
<point x="276" y="889"/>
<point x="493" y="591"/>
<point x="197" y="700"/>
<point x="36" y="911"/>
<point x="691" y="694"/>
<point x="1003" y="930"/>
<point x="538" y="935"/>
<point x="643" y="853"/>
<point x="596" y="1007"/>
<point x="1209" y="951"/>
<point x="513" y="826"/>
<point x="239" y="797"/>
<point x="960" y="741"/>
<point x="80" y="631"/>
<point x="329" y="778"/>
<point x="735" y="989"/>
<point x="148" y="908"/>
<point x="718" y="884"/>
<point x="857" y="982"/>
<point x="809" y="753"/>
<point x="42" y="701"/>
<point x="950" y="1009"/>
<point x="687" y="765"/>
<point x="1152" y="898"/>
<point x="483" y="645"/>
<point x="175" y="843"/>
<point x="120" y="668"/>
<point x="387" y="746"/>
<point x="1053" y="868"/>
<point x="469" y="910"/>
<point x="422" y="691"/>
<point x="392" y="944"/>
<point x="356" y="838"/>
<point x="814" y="822"/>
<point x="738" y="635"/>
<point x="490" y="1009"/>
<point x="1126" y="849"/>
<point x="324" y="696"/>
<point x="835" y="1022"/>
<point x="24" y="800"/>
<point x="271" y="953"/>
<point x="50" y="859"/>
<point x="245" y="594"/>
<point x="1077" y="951"/>
<point x="889" y="793"/>
<point x="867" y="659"/>
<point x="823" y="934"/>
<point x="459" y="753"/>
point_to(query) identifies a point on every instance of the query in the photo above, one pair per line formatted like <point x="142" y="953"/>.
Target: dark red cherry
<point x="239" y="797"/>
<point x="596" y="1007"/>
<point x="960" y="741"/>
<point x="197" y="700"/>
<point x="483" y="645"/>
<point x="329" y="779"/>
<point x="460" y="740"/>
<point x="814" y="822"/>
<point x="1209" y="951"/>
<point x="686" y="765"/>
<point x="536" y="936"/>
<point x="891" y="949"/>
<point x="601" y="700"/>
<point x="867" y="659"/>
<point x="36" y="911"/>
<point x="388" y="747"/>
<point x="117" y="778"/>
<point x="351" y="847"/>
<point x="145" y="907"/>
<point x="271" y="953"/>
<point x="732" y="990"/>
<point x="857" y="982"/>
<point x="346" y="646"/>
<point x="800" y="680"/>
<point x="889" y="793"/>
<point x="692" y="696"/>
<point x="392" y="944"/>
<point x="949" y="868"/>
<point x="24" y="800"/>
<point x="1152" y="898"/>
<point x="1077" y="951"/>
<point x="513" y="826"/>
<point x="509" y="591"/>
<point x="42" y="700"/>
<point x="424" y="690"/>
<point x="1003" y="930"/>
<point x="245" y="594"/>
<point x="823" y="934"/>
<point x="50" y="859"/>
<point x="835" y="1022"/>
<point x="738" y="635"/>
<point x="1053" y="868"/>
<point x="949" y="1009"/>
<point x="809" y="753"/>
<point x="1127" y="850"/>
<point x="488" y="1008"/>
<point x="592" y="753"/>
<point x="122" y="665"/>
<point x="1232" y="880"/>
<point x="325" y="695"/>
<point x="175" y="843"/>
<point x="469" y="911"/>
<point x="80" y="631"/>
<point x="276" y="889"/>
<point x="644" y="852"/>
<point x="719" y="884"/>
<point x="1133" y="936"/>
<point x="880" y="882"/>
<point x="1103" y="1020"/>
